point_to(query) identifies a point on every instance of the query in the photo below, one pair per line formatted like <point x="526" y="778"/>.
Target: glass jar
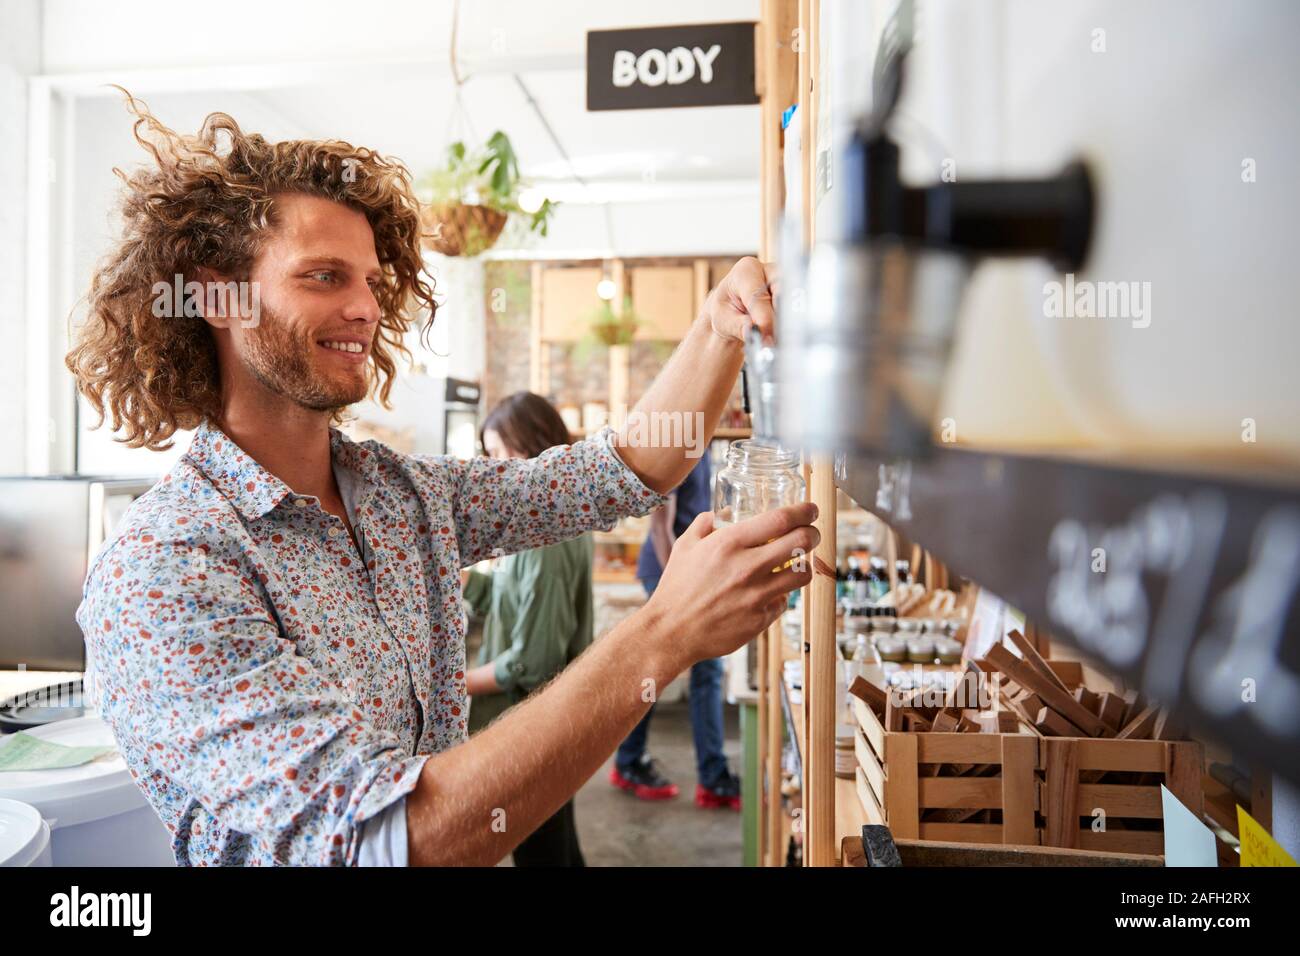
<point x="758" y="477"/>
<point x="864" y="652"/>
<point x="881" y="627"/>
<point x="949" y="651"/>
<point x="856" y="623"/>
<point x="892" y="648"/>
<point x="920" y="649"/>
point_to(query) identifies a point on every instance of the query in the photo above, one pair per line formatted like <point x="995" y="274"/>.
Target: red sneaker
<point x="724" y="795"/>
<point x="644" y="781"/>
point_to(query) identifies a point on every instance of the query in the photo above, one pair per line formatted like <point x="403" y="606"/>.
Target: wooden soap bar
<point x="1052" y="724"/>
<point x="1110" y="709"/>
<point x="869" y="694"/>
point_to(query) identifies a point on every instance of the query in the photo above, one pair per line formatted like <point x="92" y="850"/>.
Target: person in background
<point x="538" y="613"/>
<point x="634" y="769"/>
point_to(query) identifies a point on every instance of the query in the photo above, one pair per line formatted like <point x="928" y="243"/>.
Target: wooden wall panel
<point x="663" y="297"/>
<point x="568" y="301"/>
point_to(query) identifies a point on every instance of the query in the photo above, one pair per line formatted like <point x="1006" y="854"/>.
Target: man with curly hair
<point x="275" y="630"/>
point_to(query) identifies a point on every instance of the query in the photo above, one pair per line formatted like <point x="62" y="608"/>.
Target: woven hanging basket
<point x="620" y="332"/>
<point x="461" y="230"/>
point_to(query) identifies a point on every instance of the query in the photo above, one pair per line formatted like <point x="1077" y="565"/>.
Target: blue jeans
<point x="706" y="720"/>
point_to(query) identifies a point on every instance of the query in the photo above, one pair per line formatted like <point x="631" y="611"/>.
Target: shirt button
<point x="300" y="503"/>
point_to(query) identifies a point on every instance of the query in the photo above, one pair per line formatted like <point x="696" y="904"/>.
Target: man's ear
<point x="212" y="297"/>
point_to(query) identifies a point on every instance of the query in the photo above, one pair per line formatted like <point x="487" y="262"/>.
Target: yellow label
<point x="1258" y="848"/>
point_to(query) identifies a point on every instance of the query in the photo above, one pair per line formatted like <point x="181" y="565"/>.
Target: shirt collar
<point x="358" y="457"/>
<point x="250" y="487"/>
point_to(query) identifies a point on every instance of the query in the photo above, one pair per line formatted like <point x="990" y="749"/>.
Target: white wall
<point x="20" y="46"/>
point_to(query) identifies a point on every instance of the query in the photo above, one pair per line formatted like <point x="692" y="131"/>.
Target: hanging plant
<point x="614" y="328"/>
<point x="472" y="196"/>
<point x="607" y="328"/>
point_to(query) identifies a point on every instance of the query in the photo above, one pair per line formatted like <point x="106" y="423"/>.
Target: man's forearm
<point x="697" y="379"/>
<point x="476" y="802"/>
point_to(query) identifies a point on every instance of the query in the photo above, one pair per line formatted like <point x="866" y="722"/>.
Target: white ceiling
<point x="378" y="74"/>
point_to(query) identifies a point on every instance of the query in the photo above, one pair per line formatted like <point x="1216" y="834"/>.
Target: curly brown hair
<point x="208" y="205"/>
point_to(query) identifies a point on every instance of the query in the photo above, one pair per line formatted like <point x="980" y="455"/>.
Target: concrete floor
<point x="617" y="829"/>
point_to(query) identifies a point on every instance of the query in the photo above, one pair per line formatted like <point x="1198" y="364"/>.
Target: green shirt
<point x="539" y="617"/>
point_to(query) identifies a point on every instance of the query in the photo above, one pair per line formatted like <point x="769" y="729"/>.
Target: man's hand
<point x="743" y="298"/>
<point x="723" y="586"/>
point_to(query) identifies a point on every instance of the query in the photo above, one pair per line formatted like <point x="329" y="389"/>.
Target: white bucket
<point x="24" y="836"/>
<point x="96" y="813"/>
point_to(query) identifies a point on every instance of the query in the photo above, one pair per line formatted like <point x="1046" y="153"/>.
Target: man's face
<point x="316" y="277"/>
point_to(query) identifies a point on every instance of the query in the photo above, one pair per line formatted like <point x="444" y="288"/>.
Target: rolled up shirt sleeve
<point x="506" y="506"/>
<point x="199" y="685"/>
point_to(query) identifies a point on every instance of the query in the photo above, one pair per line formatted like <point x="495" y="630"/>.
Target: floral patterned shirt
<point x="272" y="682"/>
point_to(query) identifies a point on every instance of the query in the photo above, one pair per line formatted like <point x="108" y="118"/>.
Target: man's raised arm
<point x="696" y="381"/>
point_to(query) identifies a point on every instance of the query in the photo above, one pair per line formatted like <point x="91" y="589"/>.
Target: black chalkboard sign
<point x="701" y="64"/>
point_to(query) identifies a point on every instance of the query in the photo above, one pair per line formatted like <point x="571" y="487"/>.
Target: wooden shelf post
<point x="776" y="77"/>
<point x="820" y="844"/>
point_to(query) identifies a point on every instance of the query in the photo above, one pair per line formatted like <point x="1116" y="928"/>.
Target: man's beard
<point x="281" y="361"/>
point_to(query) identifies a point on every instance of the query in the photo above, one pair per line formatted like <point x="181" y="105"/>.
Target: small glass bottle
<point x="903" y="567"/>
<point x="878" y="579"/>
<point x="757" y="478"/>
<point x="857" y="581"/>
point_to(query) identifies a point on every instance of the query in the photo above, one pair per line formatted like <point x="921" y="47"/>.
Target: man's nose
<point x="362" y="306"/>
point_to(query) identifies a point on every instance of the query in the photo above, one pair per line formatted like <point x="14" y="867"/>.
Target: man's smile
<point x="351" y="349"/>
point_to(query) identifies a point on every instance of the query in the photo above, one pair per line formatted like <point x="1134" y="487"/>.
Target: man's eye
<point x="323" y="276"/>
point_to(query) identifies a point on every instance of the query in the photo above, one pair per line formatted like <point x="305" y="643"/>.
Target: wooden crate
<point x="1047" y="789"/>
<point x="1073" y="787"/>
<point x="902" y="775"/>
